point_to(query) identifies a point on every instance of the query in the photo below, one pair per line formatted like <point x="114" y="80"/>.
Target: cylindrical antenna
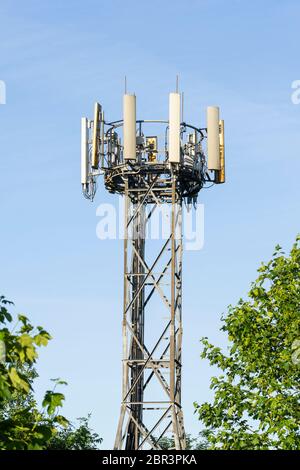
<point x="213" y="143"/>
<point x="129" y="127"/>
<point x="174" y="127"/>
<point x="182" y="106"/>
<point x="177" y="83"/>
<point x="125" y="85"/>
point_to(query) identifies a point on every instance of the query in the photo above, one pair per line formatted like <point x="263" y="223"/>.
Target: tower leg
<point x="160" y="363"/>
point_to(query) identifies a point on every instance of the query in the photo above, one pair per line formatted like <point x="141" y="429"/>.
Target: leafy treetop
<point x="256" y="399"/>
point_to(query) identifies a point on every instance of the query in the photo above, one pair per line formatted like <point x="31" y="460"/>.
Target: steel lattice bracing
<point x="151" y="372"/>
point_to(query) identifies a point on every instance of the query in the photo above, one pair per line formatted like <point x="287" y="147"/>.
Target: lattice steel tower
<point x="152" y="173"/>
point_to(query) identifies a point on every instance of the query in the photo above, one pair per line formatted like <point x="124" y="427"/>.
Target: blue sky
<point x="56" y="59"/>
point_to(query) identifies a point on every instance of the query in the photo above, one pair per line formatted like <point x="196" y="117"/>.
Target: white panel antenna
<point x="96" y="135"/>
<point x="84" y="151"/>
<point x="174" y="127"/>
<point x="129" y="127"/>
<point x="221" y="176"/>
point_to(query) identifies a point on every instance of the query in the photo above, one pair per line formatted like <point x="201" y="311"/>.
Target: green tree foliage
<point x="256" y="399"/>
<point x="72" y="438"/>
<point x="22" y="425"/>
<point x="192" y="443"/>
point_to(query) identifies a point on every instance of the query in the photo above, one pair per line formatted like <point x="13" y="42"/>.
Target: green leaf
<point x="17" y="381"/>
<point x="52" y="401"/>
<point x="62" y="421"/>
<point x="42" y="338"/>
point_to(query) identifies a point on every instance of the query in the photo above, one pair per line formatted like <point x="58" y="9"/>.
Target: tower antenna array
<point x="150" y="174"/>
